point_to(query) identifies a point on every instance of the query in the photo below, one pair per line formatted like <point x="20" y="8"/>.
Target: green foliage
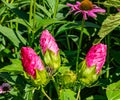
<point x="112" y="3"/>
<point x="67" y="94"/>
<point x="109" y="24"/>
<point x="21" y="24"/>
<point x="9" y="33"/>
<point x="16" y="67"/>
<point x="113" y="91"/>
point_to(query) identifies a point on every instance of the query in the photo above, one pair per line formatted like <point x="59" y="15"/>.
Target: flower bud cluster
<point x="33" y="65"/>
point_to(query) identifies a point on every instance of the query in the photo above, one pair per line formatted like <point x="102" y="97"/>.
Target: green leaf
<point x="9" y="33"/>
<point x="28" y="95"/>
<point x="28" y="92"/>
<point x="67" y="94"/>
<point x="18" y="12"/>
<point x="21" y="38"/>
<point x="21" y="21"/>
<point x="76" y="25"/>
<point x="44" y="10"/>
<point x="46" y="22"/>
<point x="109" y="24"/>
<point x="16" y="66"/>
<point x="112" y="3"/>
<point x="2" y="10"/>
<point x="113" y="91"/>
<point x="51" y="4"/>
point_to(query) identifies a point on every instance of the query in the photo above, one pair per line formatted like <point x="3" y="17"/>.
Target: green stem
<point x="54" y="15"/>
<point x="16" y="28"/>
<point x="50" y="90"/>
<point x="108" y="47"/>
<point x="80" y="43"/>
<point x="98" y="2"/>
<point x="78" y="94"/>
<point x="68" y="43"/>
<point x="12" y="1"/>
<point x="56" y="8"/>
<point x="56" y="86"/>
<point x="43" y="91"/>
<point x="30" y="21"/>
<point x="7" y="1"/>
<point x="108" y="50"/>
<point x="34" y="20"/>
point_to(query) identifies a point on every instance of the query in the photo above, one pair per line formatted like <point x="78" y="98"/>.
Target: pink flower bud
<point x="47" y="41"/>
<point x="31" y="61"/>
<point x="96" y="56"/>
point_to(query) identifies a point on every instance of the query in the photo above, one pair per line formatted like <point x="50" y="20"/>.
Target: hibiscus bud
<point x="50" y="50"/>
<point x="91" y="67"/>
<point x="66" y="77"/>
<point x="96" y="56"/>
<point x="87" y="76"/>
<point x="33" y="65"/>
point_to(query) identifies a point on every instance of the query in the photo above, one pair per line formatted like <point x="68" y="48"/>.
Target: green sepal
<point x="52" y="60"/>
<point x="87" y="75"/>
<point x="41" y="78"/>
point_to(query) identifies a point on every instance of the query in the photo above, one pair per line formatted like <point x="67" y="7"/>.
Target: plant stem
<point x="98" y="2"/>
<point x="108" y="55"/>
<point x="43" y="91"/>
<point x="54" y="15"/>
<point x="78" y="94"/>
<point x="56" y="8"/>
<point x="34" y="19"/>
<point x="68" y="43"/>
<point x="80" y="43"/>
<point x="30" y="21"/>
<point x="12" y="1"/>
<point x="108" y="46"/>
<point x="56" y="86"/>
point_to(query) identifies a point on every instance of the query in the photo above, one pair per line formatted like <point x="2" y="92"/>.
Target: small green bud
<point x="66" y="77"/>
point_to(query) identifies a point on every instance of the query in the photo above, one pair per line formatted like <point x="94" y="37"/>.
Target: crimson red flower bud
<point x="96" y="56"/>
<point x="48" y="42"/>
<point x="50" y="50"/>
<point x="90" y="68"/>
<point x="31" y="61"/>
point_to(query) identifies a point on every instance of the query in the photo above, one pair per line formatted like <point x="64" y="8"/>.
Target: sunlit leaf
<point x="113" y="91"/>
<point x="112" y="3"/>
<point x="2" y="10"/>
<point x="44" y="10"/>
<point x="51" y="4"/>
<point x="67" y="94"/>
<point x="21" y="21"/>
<point x="109" y="24"/>
<point x="16" y="66"/>
<point x="46" y="22"/>
<point x="9" y="33"/>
